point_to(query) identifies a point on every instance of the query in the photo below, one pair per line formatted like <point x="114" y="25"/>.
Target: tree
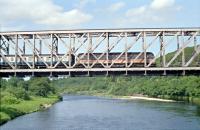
<point x="3" y="83"/>
<point x="13" y="81"/>
<point x="41" y="87"/>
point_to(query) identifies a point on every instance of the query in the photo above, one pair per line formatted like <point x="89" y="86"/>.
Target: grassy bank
<point x="10" y="111"/>
<point x="18" y="97"/>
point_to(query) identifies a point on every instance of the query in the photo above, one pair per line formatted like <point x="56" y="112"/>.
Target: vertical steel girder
<point x="88" y="42"/>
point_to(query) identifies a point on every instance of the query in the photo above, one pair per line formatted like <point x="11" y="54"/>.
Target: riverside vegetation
<point x="171" y="87"/>
<point x="18" y="97"/>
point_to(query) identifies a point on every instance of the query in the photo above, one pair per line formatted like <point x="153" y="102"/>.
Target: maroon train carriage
<point x="82" y="59"/>
<point x="112" y="58"/>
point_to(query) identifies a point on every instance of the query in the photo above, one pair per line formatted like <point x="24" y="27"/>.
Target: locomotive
<point x="115" y="59"/>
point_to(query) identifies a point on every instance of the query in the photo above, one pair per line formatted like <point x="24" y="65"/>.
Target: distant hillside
<point x="189" y="51"/>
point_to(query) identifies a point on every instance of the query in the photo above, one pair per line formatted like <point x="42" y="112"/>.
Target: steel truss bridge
<point x="160" y="41"/>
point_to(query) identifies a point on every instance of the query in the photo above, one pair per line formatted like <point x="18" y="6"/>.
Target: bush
<point x="4" y="117"/>
<point x="3" y="84"/>
<point x="13" y="81"/>
<point x="41" y="87"/>
<point x="9" y="99"/>
<point x="19" y="93"/>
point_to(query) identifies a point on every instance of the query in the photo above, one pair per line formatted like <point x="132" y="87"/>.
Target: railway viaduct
<point x="160" y="41"/>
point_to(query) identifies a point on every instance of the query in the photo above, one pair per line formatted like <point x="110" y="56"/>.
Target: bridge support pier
<point x="164" y="72"/>
<point x="33" y="74"/>
<point x="126" y="73"/>
<point x="145" y="72"/>
<point x="51" y="75"/>
<point x="183" y="73"/>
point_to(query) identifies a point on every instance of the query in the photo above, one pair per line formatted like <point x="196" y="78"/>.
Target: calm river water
<point x="93" y="113"/>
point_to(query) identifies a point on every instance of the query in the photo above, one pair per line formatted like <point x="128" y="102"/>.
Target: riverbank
<point x="162" y="98"/>
<point x="179" y="88"/>
<point x="11" y="111"/>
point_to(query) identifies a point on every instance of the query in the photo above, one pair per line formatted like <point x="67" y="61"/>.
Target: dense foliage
<point x="18" y="97"/>
<point x="151" y="86"/>
<point x="20" y="89"/>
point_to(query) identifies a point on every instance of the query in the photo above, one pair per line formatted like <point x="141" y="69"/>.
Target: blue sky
<point x="74" y="14"/>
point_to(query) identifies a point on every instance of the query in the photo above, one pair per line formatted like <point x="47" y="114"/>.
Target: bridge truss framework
<point x="90" y="41"/>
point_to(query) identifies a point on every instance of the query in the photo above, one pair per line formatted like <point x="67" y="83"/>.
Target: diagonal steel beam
<point x="180" y="50"/>
<point x="192" y="58"/>
<point x="35" y="50"/>
<point x="49" y="47"/>
<point x="148" y="45"/>
<point x="65" y="55"/>
<point x="3" y="56"/>
<point x="18" y="52"/>
<point x="119" y="38"/>
<point x="128" y="48"/>
<point x="164" y="45"/>
<point x="82" y="42"/>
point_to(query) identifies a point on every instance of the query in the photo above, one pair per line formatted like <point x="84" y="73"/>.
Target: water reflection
<point x="198" y="111"/>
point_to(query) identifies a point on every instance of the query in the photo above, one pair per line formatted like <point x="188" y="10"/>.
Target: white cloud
<point x="72" y="17"/>
<point x="116" y="6"/>
<point x="82" y="3"/>
<point x="40" y="12"/>
<point x="162" y="4"/>
<point x="157" y="11"/>
<point x="136" y="11"/>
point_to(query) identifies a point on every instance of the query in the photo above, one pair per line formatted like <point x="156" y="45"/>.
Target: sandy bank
<point x="144" y="98"/>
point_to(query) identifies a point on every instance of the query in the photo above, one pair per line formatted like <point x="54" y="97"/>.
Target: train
<point x="96" y="60"/>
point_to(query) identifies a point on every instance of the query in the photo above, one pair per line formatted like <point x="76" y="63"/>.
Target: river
<point x="94" y="113"/>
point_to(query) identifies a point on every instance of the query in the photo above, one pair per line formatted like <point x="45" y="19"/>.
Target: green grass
<point x="10" y="111"/>
<point x="33" y="104"/>
<point x="4" y="117"/>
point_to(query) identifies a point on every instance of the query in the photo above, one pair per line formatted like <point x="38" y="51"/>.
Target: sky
<point x="18" y="15"/>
